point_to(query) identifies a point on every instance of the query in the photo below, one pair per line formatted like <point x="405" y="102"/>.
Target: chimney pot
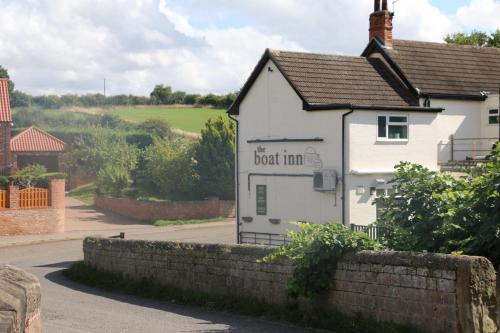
<point x="384" y="4"/>
<point x="377" y="6"/>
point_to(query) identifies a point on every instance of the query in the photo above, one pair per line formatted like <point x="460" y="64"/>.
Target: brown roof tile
<point x="5" y="114"/>
<point x="444" y="69"/>
<point x="332" y="79"/>
<point x="34" y="139"/>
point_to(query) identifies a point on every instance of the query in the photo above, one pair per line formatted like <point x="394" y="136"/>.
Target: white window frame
<point x="493" y="115"/>
<point x="388" y="123"/>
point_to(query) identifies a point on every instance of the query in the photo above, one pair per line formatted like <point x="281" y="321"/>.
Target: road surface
<point x="68" y="307"/>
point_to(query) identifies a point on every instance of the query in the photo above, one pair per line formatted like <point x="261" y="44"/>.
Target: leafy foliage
<point x="476" y="38"/>
<point x="167" y="170"/>
<point x="435" y="212"/>
<point x="31" y="176"/>
<point x="315" y="250"/>
<point x="157" y="127"/>
<point x="214" y="156"/>
<point x="113" y="180"/>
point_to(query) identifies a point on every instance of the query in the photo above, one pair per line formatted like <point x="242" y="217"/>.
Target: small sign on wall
<point x="261" y="195"/>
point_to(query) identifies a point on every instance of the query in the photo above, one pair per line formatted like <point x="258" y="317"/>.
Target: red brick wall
<point x="56" y="193"/>
<point x="167" y="210"/>
<point x="31" y="221"/>
<point x="5" y="133"/>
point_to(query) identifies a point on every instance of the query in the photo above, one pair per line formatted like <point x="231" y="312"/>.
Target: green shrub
<point x="214" y="156"/>
<point x="435" y="212"/>
<point x="158" y="127"/>
<point x="167" y="170"/>
<point x="29" y="176"/>
<point x="315" y="251"/>
<point x="113" y="180"/>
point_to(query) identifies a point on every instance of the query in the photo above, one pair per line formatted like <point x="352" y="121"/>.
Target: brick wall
<point x="57" y="193"/>
<point x="168" y="210"/>
<point x="20" y="301"/>
<point x="438" y="293"/>
<point x="5" y="134"/>
<point x="31" y="221"/>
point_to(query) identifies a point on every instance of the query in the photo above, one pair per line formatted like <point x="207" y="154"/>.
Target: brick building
<point x="31" y="146"/>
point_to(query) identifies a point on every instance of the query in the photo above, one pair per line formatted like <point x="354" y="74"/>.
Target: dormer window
<point x="392" y="128"/>
<point x="493" y="116"/>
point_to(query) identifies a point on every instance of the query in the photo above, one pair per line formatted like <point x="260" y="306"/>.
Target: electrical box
<point x="325" y="181"/>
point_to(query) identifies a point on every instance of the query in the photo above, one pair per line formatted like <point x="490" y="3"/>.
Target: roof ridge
<point x="476" y="47"/>
<point x="277" y="52"/>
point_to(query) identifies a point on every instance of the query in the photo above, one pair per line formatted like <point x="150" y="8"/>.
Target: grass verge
<point x="313" y="317"/>
<point x="164" y="223"/>
<point x="85" y="194"/>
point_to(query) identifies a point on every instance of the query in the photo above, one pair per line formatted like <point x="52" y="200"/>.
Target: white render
<point x="272" y="110"/>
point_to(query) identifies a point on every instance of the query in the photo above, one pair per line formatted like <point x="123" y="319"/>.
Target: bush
<point x="435" y="212"/>
<point x="167" y="170"/>
<point x="29" y="176"/>
<point x="113" y="180"/>
<point x="214" y="155"/>
<point x="315" y="250"/>
<point x="157" y="127"/>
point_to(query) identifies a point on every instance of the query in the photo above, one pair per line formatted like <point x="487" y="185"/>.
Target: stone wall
<point x="20" y="300"/>
<point x="167" y="210"/>
<point x="31" y="221"/>
<point x="438" y="293"/>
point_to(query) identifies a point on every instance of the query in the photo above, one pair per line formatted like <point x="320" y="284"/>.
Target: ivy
<point x="315" y="250"/>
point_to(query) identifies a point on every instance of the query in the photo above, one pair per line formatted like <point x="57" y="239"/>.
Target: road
<point x="68" y="307"/>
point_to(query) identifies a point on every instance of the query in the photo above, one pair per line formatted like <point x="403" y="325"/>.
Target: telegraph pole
<point x="104" y="88"/>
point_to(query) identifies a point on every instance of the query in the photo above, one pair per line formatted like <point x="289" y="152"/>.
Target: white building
<point x="318" y="136"/>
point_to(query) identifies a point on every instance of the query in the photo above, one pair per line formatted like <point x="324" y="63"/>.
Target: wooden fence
<point x="34" y="198"/>
<point x="4" y="199"/>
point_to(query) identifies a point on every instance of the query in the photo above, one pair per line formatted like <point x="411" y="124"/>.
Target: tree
<point x="160" y="94"/>
<point x="168" y="170"/>
<point x="4" y="74"/>
<point x="476" y="38"/>
<point x="214" y="156"/>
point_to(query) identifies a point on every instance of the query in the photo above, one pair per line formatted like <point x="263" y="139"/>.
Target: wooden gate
<point x="3" y="199"/>
<point x="34" y="198"/>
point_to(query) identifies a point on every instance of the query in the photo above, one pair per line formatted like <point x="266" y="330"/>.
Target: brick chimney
<point x="381" y="23"/>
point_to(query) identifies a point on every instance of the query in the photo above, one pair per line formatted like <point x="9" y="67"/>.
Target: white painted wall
<point x="371" y="160"/>
<point x="487" y="130"/>
<point x="272" y="110"/>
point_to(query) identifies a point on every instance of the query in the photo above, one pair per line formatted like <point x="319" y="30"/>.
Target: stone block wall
<point x="438" y="293"/>
<point x="167" y="210"/>
<point x="20" y="300"/>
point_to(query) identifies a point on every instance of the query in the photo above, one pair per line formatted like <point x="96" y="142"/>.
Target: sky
<point x="202" y="46"/>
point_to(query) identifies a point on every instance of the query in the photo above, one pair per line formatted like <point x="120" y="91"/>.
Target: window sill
<point x="392" y="140"/>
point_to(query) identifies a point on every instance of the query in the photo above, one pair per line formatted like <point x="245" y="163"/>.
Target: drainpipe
<point x="344" y="116"/>
<point x="237" y="177"/>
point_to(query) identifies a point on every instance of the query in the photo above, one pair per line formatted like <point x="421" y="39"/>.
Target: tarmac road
<point x="68" y="307"/>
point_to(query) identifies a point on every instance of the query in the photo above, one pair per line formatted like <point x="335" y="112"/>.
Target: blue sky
<point x="197" y="45"/>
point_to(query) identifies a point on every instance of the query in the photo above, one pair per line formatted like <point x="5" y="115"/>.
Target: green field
<point x="186" y="119"/>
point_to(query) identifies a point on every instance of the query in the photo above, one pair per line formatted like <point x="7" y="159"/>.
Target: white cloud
<point x="61" y="46"/>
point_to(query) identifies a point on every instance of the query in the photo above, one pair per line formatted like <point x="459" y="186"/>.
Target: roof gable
<point x="329" y="81"/>
<point x="5" y="114"/>
<point x="34" y="139"/>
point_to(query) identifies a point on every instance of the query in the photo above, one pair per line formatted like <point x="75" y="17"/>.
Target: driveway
<point x="68" y="307"/>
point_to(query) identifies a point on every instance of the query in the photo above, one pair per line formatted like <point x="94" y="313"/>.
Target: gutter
<point x="344" y="116"/>
<point x="327" y="107"/>
<point x="237" y="177"/>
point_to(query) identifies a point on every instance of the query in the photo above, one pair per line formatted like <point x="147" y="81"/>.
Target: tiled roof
<point x="444" y="69"/>
<point x="331" y="79"/>
<point x="34" y="139"/>
<point x="5" y="115"/>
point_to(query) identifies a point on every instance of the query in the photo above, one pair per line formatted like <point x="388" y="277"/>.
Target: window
<point x="261" y="195"/>
<point x="493" y="116"/>
<point x="392" y="128"/>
